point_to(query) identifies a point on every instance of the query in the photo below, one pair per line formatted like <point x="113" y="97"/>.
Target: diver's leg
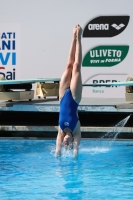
<point x="76" y="80"/>
<point x="66" y="77"/>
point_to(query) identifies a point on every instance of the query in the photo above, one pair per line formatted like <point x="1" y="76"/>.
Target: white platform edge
<point x="55" y="128"/>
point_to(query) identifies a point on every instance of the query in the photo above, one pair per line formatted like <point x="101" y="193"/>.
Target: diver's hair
<point x="71" y="143"/>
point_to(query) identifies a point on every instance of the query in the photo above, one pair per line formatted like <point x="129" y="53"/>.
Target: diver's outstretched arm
<point x="58" y="145"/>
<point x="77" y="139"/>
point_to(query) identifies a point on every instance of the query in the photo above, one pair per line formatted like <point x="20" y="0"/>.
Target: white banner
<point x="105" y="92"/>
<point x="10" y="51"/>
<point x="46" y="34"/>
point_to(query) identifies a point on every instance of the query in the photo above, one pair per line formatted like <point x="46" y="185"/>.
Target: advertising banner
<point x="106" y="26"/>
<point x="46" y="35"/>
<point x="104" y="63"/>
<point x="105" y="56"/>
<point x="9" y="51"/>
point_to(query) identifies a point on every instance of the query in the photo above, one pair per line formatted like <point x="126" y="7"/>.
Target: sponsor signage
<point x="105" y="56"/>
<point x="105" y="91"/>
<point x="106" y="26"/>
<point x="9" y="51"/>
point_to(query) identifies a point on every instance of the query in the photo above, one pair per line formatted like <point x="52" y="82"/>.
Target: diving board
<point x="25" y="81"/>
<point x="125" y="83"/>
<point x="45" y="87"/>
<point x="57" y="80"/>
<point x="8" y="88"/>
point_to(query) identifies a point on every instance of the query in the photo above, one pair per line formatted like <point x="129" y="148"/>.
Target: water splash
<point x="117" y="129"/>
<point x="65" y="153"/>
<point x="95" y="150"/>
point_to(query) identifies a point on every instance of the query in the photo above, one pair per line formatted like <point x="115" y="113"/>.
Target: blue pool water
<point x="29" y="170"/>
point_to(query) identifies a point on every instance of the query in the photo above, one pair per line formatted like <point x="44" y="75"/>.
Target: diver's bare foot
<point x="75" y="32"/>
<point x="79" y="32"/>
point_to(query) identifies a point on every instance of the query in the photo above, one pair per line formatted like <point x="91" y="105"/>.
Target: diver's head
<point x="68" y="140"/>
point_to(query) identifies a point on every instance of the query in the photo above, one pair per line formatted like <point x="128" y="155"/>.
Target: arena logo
<point x="105" y="56"/>
<point x="106" y="26"/>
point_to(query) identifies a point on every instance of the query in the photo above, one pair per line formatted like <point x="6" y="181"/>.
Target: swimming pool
<point x="29" y="170"/>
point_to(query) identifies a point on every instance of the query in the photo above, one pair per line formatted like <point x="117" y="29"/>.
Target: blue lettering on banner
<point x="3" y="36"/>
<point x="8" y="35"/>
<point x="8" y="75"/>
<point x="8" y="55"/>
<point x="10" y="45"/>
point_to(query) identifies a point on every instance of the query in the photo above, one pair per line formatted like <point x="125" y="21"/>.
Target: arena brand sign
<point x="105" y="56"/>
<point x="106" y="26"/>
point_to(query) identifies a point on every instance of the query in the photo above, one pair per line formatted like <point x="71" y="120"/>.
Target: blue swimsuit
<point x="68" y="111"/>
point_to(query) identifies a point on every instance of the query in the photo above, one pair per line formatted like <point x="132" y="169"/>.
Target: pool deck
<point x="52" y="105"/>
<point x="86" y="104"/>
